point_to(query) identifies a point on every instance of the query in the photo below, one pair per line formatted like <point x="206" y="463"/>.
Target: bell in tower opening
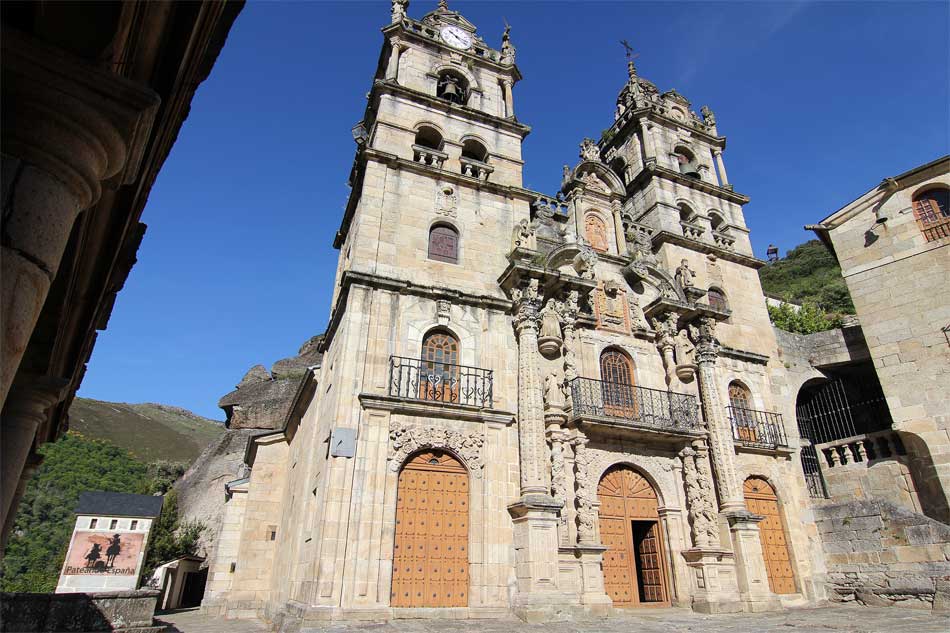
<point x="452" y="88"/>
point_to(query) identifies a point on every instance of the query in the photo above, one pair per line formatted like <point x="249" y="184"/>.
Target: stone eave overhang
<point x="421" y="408"/>
<point x="652" y="170"/>
<point x="662" y="237"/>
<point x="405" y="287"/>
<point x="402" y="29"/>
<point x="643" y="432"/>
<point x="784" y="452"/>
<point x="552" y="281"/>
<point x="392" y="160"/>
<point x="384" y="86"/>
<point x="743" y="355"/>
<point x="633" y="119"/>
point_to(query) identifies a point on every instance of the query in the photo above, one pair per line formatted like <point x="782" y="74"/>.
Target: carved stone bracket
<point x="407" y="439"/>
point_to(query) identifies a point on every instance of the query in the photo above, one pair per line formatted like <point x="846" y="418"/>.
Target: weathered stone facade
<point x="600" y="363"/>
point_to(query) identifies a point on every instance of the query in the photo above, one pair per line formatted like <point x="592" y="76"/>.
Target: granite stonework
<point x="597" y="346"/>
<point x="118" y="611"/>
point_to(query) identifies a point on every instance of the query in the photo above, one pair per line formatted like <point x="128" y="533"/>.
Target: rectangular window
<point x="134" y="526"/>
<point x="113" y="523"/>
<point x="93" y="523"/>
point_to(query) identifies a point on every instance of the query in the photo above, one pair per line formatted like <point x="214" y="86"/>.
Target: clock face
<point x="456" y="37"/>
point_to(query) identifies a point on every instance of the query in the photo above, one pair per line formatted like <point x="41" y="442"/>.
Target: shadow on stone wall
<point x="120" y="611"/>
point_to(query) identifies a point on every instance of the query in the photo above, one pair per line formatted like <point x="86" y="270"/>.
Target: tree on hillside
<point x="45" y="519"/>
<point x="808" y="274"/>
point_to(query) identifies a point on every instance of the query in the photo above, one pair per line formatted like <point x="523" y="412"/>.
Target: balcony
<point x="419" y="379"/>
<point x="757" y="429"/>
<point x="628" y="406"/>
<point x="428" y="156"/>
<point x="475" y="168"/>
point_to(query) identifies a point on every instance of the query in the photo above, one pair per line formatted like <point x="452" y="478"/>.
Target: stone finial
<point x="507" y="48"/>
<point x="399" y="10"/>
<point x="589" y="150"/>
<point x="444" y="5"/>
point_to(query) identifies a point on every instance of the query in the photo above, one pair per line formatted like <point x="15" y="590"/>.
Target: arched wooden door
<point x="430" y="554"/>
<point x="634" y="563"/>
<point x="760" y="499"/>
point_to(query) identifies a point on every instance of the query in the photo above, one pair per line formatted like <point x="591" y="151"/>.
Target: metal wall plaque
<point x="343" y="442"/>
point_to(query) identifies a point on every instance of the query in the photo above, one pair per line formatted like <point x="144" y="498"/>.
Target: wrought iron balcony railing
<point x="419" y="379"/>
<point x="757" y="428"/>
<point x="635" y="406"/>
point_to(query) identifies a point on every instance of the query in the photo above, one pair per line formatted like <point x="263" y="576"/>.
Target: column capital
<point x="527" y="302"/>
<point x="707" y="345"/>
<point x="83" y="124"/>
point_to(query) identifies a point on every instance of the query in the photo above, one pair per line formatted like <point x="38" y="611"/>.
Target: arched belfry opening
<point x="635" y="569"/>
<point x="430" y="550"/>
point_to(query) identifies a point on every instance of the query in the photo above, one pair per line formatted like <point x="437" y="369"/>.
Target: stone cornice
<point x="635" y="118"/>
<point x="381" y="87"/>
<point x="427" y="409"/>
<point x="405" y="287"/>
<point x="662" y="237"/>
<point x="743" y="355"/>
<point x="643" y="177"/>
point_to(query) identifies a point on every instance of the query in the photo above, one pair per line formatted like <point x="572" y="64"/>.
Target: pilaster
<point x="751" y="573"/>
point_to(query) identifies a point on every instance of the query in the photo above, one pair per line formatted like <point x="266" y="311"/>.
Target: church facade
<point x="546" y="405"/>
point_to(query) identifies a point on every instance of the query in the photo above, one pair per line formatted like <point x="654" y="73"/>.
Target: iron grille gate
<point x="836" y="410"/>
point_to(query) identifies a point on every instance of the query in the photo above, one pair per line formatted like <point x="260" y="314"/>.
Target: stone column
<point x="649" y="147"/>
<point x="720" y="431"/>
<point x="557" y="436"/>
<point x="68" y="127"/>
<point x="392" y="67"/>
<point x="723" y="178"/>
<point x="535" y="514"/>
<point x="23" y="414"/>
<point x="589" y="549"/>
<point x="509" y="98"/>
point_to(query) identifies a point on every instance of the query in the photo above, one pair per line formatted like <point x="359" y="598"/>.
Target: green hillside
<point x="149" y="431"/>
<point x="808" y="274"/>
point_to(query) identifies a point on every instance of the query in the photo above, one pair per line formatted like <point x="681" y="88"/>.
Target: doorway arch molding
<point x="407" y="440"/>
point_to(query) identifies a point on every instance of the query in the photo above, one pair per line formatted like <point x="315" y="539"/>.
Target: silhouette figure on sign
<point x="115" y="547"/>
<point x="94" y="554"/>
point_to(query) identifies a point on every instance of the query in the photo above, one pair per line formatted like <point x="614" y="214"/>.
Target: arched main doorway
<point x="760" y="499"/>
<point x="634" y="563"/>
<point x="430" y="553"/>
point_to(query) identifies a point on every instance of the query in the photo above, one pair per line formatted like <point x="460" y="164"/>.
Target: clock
<point x="456" y="37"/>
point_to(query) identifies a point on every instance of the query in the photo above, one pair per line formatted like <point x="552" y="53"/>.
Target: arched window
<point x="686" y="214"/>
<point x="932" y="212"/>
<point x="687" y="163"/>
<point x="429" y="137"/>
<point x="743" y="418"/>
<point x="439" y="370"/>
<point x="717" y="299"/>
<point x="595" y="229"/>
<point x="473" y="150"/>
<point x="616" y="372"/>
<point x="444" y="244"/>
<point x="716" y="222"/>
<point x="452" y="87"/>
<point x="739" y="395"/>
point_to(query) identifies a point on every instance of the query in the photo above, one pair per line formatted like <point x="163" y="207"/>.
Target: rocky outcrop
<point x="259" y="404"/>
<point x="880" y="554"/>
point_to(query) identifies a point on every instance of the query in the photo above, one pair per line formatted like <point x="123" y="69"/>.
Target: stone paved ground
<point x="836" y="619"/>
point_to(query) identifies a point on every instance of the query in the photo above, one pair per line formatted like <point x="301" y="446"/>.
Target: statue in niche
<point x="399" y="10"/>
<point x="549" y="340"/>
<point x="523" y="233"/>
<point x="638" y="320"/>
<point x="553" y="394"/>
<point x="685" y="357"/>
<point x="684" y="275"/>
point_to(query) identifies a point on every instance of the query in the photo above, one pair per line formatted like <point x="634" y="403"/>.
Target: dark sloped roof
<point x="119" y="504"/>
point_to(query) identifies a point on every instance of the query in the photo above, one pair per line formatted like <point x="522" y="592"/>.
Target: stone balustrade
<point x="475" y="168"/>
<point x="723" y="241"/>
<point x="428" y="156"/>
<point x="692" y="231"/>
<point x="861" y="448"/>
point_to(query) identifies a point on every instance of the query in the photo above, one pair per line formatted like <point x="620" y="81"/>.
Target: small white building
<point x="109" y="541"/>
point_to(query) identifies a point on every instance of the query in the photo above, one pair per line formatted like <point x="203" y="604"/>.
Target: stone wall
<point x="880" y="554"/>
<point x="119" y="611"/>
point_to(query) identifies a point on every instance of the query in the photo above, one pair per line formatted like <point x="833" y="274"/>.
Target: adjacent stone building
<point x="541" y="404"/>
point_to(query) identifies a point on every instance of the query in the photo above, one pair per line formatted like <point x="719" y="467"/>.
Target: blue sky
<point x="819" y="102"/>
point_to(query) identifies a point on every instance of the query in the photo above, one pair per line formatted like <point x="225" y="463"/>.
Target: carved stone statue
<point x="638" y="321"/>
<point x="584" y="262"/>
<point x="685" y="350"/>
<point x="708" y="117"/>
<point x="553" y="395"/>
<point x="666" y="342"/>
<point x="399" y="10"/>
<point x="507" y="49"/>
<point x="523" y="233"/>
<point x="684" y="275"/>
<point x="549" y="339"/>
<point x="565" y="175"/>
<point x="589" y="150"/>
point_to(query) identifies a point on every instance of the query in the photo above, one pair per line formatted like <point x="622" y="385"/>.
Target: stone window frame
<point x="597" y="215"/>
<point x="444" y="259"/>
<point x="724" y="304"/>
<point x="933" y="222"/>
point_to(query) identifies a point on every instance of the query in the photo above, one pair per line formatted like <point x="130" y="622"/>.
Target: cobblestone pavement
<point x="835" y="619"/>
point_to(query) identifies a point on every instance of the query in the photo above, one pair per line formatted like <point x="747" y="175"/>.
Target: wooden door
<point x="760" y="499"/>
<point x="430" y="553"/>
<point x="634" y="563"/>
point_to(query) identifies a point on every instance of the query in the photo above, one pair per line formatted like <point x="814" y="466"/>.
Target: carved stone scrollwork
<point x="586" y="497"/>
<point x="707" y="345"/>
<point x="407" y="439"/>
<point x="589" y="150"/>
<point x="567" y="310"/>
<point x="699" y="495"/>
<point x="527" y="300"/>
<point x="585" y="262"/>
